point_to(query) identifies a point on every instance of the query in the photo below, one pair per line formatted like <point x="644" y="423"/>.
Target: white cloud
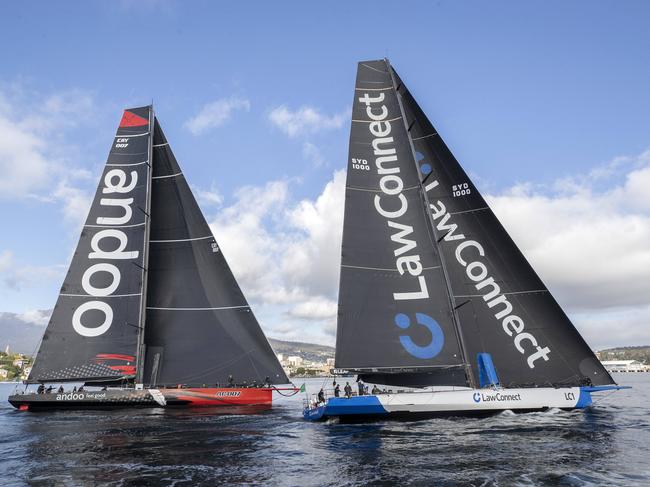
<point x="305" y="120"/>
<point x="211" y="197"/>
<point x="285" y="256"/>
<point x="313" y="154"/>
<point x="215" y="114"/>
<point x="38" y="317"/>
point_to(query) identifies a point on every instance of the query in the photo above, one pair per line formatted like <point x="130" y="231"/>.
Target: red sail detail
<point x="130" y="119"/>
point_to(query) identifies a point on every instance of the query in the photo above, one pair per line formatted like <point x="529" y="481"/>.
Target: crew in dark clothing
<point x="60" y="391"/>
<point x="337" y="390"/>
<point x="81" y="389"/>
<point x="348" y="390"/>
<point x="321" y="396"/>
<point x="231" y="381"/>
<point x="376" y="390"/>
<point x="41" y="389"/>
<point x="74" y="389"/>
<point x="104" y="388"/>
<point x="267" y="381"/>
<point x="48" y="390"/>
<point x="361" y="386"/>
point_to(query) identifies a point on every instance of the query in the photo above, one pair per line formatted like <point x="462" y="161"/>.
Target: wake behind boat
<point x="149" y="300"/>
<point x="436" y="301"/>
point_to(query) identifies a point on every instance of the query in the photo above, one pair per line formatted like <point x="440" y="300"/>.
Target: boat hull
<point x="129" y="398"/>
<point x="466" y="402"/>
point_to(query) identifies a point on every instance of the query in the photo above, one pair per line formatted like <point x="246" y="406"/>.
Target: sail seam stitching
<point x="109" y="296"/>
<point x="425" y="136"/>
<point x="197" y="309"/>
<point x="168" y="176"/>
<point x="379" y="190"/>
<point x="160" y="145"/>
<point x="134" y="135"/>
<point x="384" y="269"/>
<point x="115" y="226"/>
<point x="373" y="89"/>
<point x="505" y="294"/>
<point x="470" y="211"/>
<point x="181" y="239"/>
<point x="370" y="121"/>
<point x="134" y="164"/>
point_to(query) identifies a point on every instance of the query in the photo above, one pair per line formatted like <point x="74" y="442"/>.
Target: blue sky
<point x="545" y="103"/>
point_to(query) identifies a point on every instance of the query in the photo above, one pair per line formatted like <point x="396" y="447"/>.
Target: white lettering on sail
<point x="87" y="331"/>
<point x="119" y="187"/>
<point x="119" y="220"/>
<point x="102" y="247"/>
<point x="468" y="254"/>
<point x="101" y="291"/>
<point x="118" y="253"/>
<point x="391" y="203"/>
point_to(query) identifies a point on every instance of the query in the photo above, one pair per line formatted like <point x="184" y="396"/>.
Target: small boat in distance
<point x="149" y="312"/>
<point x="436" y="302"/>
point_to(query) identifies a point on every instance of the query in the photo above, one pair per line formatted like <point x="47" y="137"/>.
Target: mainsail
<point x="95" y="326"/>
<point x="498" y="303"/>
<point x="392" y="315"/>
<point x="145" y="236"/>
<point x="200" y="329"/>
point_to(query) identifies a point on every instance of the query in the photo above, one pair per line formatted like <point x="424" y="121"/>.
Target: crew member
<point x="348" y="390"/>
<point x="231" y="381"/>
<point x="49" y="389"/>
<point x="361" y="386"/>
<point x="41" y="389"/>
<point x="60" y="390"/>
<point x="376" y="390"/>
<point x="337" y="390"/>
<point x="321" y="396"/>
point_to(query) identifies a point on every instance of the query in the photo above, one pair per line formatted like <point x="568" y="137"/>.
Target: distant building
<point x="26" y="371"/>
<point x="3" y="373"/>
<point x="295" y="361"/>
<point x="20" y="362"/>
<point x="330" y="362"/>
<point x="625" y="366"/>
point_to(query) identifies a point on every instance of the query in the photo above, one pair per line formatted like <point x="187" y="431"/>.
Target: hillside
<point x="640" y="353"/>
<point x="23" y="337"/>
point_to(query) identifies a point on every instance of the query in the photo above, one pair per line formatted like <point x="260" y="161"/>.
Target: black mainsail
<point x="485" y="290"/>
<point x="146" y="237"/>
<point x="94" y="329"/>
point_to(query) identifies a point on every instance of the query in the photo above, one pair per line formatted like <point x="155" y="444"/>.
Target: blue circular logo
<point x="437" y="336"/>
<point x="425" y="168"/>
<point x="477" y="397"/>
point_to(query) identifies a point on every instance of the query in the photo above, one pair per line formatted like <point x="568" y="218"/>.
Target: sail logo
<point x="116" y="183"/>
<point x="433" y="348"/>
<point x="470" y="255"/>
<point x="391" y="203"/>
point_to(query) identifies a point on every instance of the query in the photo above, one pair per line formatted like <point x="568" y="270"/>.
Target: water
<point x="606" y="445"/>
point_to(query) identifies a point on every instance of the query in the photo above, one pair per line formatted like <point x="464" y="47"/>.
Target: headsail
<point x="503" y="306"/>
<point x="200" y="328"/>
<point x="94" y="328"/>
<point x="394" y="315"/>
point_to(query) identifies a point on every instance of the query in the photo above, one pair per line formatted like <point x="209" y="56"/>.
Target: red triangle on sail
<point x="130" y="119"/>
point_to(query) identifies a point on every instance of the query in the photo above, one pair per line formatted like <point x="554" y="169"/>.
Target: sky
<point x="545" y="104"/>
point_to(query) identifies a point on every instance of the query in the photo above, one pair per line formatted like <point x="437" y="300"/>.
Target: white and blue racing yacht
<point x="436" y="302"/>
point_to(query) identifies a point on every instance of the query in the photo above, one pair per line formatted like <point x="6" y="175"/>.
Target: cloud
<point x="286" y="256"/>
<point x="313" y="154"/>
<point x="38" y="317"/>
<point x="215" y="114"/>
<point x="211" y="197"/>
<point x="305" y="120"/>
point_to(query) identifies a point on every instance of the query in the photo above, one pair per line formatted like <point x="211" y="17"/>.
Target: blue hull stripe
<point x="340" y="406"/>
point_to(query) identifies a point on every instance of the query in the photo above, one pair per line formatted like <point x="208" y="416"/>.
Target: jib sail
<point x="94" y="328"/>
<point x="200" y="328"/>
<point x="503" y="307"/>
<point x="394" y="315"/>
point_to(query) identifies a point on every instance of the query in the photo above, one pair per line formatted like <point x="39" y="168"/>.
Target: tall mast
<point x="425" y="200"/>
<point x="140" y="358"/>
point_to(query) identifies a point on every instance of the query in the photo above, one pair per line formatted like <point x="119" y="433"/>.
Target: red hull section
<point x="212" y="396"/>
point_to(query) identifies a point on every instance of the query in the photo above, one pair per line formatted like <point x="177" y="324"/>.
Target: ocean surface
<point x="608" y="444"/>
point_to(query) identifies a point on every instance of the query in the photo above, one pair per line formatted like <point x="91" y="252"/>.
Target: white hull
<point x="446" y="402"/>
